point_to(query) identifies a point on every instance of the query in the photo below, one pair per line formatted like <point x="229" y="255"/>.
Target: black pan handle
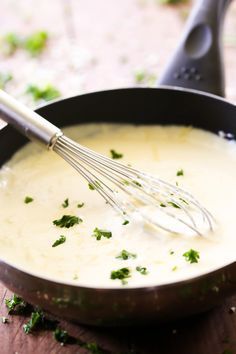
<point x="197" y="61"/>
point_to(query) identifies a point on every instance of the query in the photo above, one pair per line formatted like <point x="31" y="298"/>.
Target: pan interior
<point x="137" y="144"/>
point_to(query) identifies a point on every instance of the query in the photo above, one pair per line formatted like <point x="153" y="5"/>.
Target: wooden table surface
<point x="95" y="45"/>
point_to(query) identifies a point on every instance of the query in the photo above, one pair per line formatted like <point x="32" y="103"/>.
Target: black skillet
<point x="196" y="64"/>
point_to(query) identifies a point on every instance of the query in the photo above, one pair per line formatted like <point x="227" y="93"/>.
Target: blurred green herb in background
<point x="34" y="43"/>
<point x="170" y="2"/>
<point x="230" y="40"/>
<point x="10" y="43"/>
<point x="46" y="93"/>
<point x="145" y="78"/>
<point x="4" y="79"/>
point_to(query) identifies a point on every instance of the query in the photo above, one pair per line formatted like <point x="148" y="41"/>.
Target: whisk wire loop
<point x="144" y="191"/>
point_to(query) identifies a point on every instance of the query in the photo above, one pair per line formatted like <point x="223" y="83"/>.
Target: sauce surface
<point x="27" y="232"/>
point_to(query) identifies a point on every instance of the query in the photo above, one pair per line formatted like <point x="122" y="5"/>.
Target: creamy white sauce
<point x="27" y="232"/>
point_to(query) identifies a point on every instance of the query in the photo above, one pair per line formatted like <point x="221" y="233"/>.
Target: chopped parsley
<point x="46" y="93"/>
<point x="36" y="42"/>
<point x="125" y="222"/>
<point x="163" y="205"/>
<point x="60" y="335"/>
<point x="65" y="204"/>
<point x="174" y="268"/>
<point x="80" y="205"/>
<point x="28" y="200"/>
<point x="60" y="241"/>
<point x="91" y="186"/>
<point x="4" y="79"/>
<point x="180" y="173"/>
<point x="11" y="42"/>
<point x="67" y="221"/>
<point x="144" y="77"/>
<point x="126" y="255"/>
<point x="115" y="155"/>
<point x="174" y="205"/>
<point x="183" y="200"/>
<point x="93" y="348"/>
<point x="227" y="351"/>
<point x="38" y="321"/>
<point x="140" y="76"/>
<point x="191" y="256"/>
<point x="34" y="321"/>
<point x="142" y="270"/>
<point x="99" y="233"/>
<point x="171" y="252"/>
<point x="172" y="2"/>
<point x="122" y="274"/>
<point x="137" y="183"/>
<point x="16" y="304"/>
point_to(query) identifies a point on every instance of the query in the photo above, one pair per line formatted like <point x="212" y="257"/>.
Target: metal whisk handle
<point x="27" y="122"/>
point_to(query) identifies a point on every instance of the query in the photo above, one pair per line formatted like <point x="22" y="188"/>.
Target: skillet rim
<point x="166" y="88"/>
<point x="135" y="88"/>
<point x="141" y="288"/>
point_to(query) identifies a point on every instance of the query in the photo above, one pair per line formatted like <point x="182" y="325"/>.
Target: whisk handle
<point x="197" y="61"/>
<point x="26" y="121"/>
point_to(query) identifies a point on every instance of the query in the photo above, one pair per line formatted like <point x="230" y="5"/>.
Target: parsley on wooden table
<point x="61" y="335"/>
<point x="16" y="304"/>
<point x="34" y="321"/>
<point x="39" y="321"/>
<point x="67" y="221"/>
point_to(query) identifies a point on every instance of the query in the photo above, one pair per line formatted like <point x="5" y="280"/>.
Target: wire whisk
<point x="132" y="193"/>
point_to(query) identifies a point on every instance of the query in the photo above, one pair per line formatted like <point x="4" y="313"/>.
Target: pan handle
<point x="197" y="60"/>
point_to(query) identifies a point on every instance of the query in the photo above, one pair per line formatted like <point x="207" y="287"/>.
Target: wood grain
<point x="98" y="45"/>
<point x="209" y="333"/>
